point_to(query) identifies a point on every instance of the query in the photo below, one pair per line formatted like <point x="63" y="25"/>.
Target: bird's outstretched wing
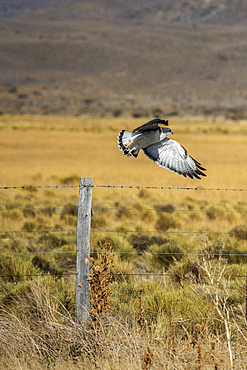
<point x="151" y="125"/>
<point x="173" y="156"/>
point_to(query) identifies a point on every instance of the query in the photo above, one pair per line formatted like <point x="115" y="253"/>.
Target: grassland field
<point x="39" y="148"/>
<point x="58" y="150"/>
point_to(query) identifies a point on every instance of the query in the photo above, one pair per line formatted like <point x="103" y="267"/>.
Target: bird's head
<point x="165" y="131"/>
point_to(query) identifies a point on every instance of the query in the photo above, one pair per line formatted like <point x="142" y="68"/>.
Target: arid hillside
<point x="108" y="57"/>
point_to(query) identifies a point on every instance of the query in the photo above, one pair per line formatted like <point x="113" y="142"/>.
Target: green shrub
<point x="28" y="211"/>
<point x="29" y="226"/>
<point x="98" y="222"/>
<point x="69" y="210"/>
<point x="165" y="222"/>
<point x="163" y="255"/>
<point x="240" y="232"/>
<point x="70" y="180"/>
<point x="164" y="208"/>
<point x="15" y="269"/>
<point x="142" y="242"/>
<point x="117" y="112"/>
<point x="51" y="241"/>
<point x="46" y="266"/>
<point x="14" y="215"/>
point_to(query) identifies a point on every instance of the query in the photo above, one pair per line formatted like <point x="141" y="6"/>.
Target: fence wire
<point x="168" y="210"/>
<point x="163" y="209"/>
<point x="119" y="274"/>
<point x="126" y="231"/>
<point x="137" y="294"/>
<point x="138" y="187"/>
<point x="135" y="252"/>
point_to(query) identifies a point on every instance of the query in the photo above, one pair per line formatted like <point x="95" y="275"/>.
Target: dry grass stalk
<point x="99" y="279"/>
<point x="147" y="359"/>
<point x="213" y="359"/>
<point x="178" y="278"/>
<point x="215" y="274"/>
<point x="198" y="345"/>
<point x="41" y="334"/>
<point x="140" y="320"/>
<point x="199" y="355"/>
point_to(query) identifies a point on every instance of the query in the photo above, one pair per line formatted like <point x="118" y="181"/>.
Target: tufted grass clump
<point x="165" y="222"/>
<point x="14" y="270"/>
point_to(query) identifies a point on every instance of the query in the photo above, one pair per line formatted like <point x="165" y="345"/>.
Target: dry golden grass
<point x="38" y="332"/>
<point x="42" y="150"/>
<point x="55" y="150"/>
<point x="60" y="150"/>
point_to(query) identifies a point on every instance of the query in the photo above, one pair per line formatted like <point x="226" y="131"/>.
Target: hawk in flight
<point x="167" y="153"/>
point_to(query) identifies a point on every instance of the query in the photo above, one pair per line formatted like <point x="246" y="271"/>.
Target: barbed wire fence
<point x="82" y="234"/>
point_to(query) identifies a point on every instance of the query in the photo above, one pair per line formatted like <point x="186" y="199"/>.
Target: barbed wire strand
<point x="135" y="294"/>
<point x="127" y="231"/>
<point x="126" y="209"/>
<point x="16" y="277"/>
<point x="168" y="210"/>
<point x="159" y="187"/>
<point x="35" y="208"/>
<point x="38" y="187"/>
<point x="170" y="232"/>
<point x="26" y="253"/>
<point x="175" y="295"/>
<point x="118" y="187"/>
<point x="118" y="274"/>
<point x="28" y="295"/>
<point x="37" y="231"/>
<point x="133" y="231"/>
<point x="134" y="252"/>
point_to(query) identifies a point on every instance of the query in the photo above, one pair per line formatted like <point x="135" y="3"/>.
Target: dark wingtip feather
<point x="201" y="168"/>
<point x="189" y="174"/>
<point x="197" y="173"/>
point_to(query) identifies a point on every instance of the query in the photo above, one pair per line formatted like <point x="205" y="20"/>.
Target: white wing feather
<point x="173" y="156"/>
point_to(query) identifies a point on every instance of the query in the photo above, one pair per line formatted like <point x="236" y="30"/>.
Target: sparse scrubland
<point x="175" y="281"/>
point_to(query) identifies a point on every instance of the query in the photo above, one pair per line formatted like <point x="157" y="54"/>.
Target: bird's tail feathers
<point x="124" y="139"/>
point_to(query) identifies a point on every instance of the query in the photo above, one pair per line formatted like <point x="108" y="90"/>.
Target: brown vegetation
<point x="99" y="280"/>
<point x="141" y="58"/>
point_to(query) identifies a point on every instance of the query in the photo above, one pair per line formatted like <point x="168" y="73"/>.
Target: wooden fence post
<point x="83" y="249"/>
